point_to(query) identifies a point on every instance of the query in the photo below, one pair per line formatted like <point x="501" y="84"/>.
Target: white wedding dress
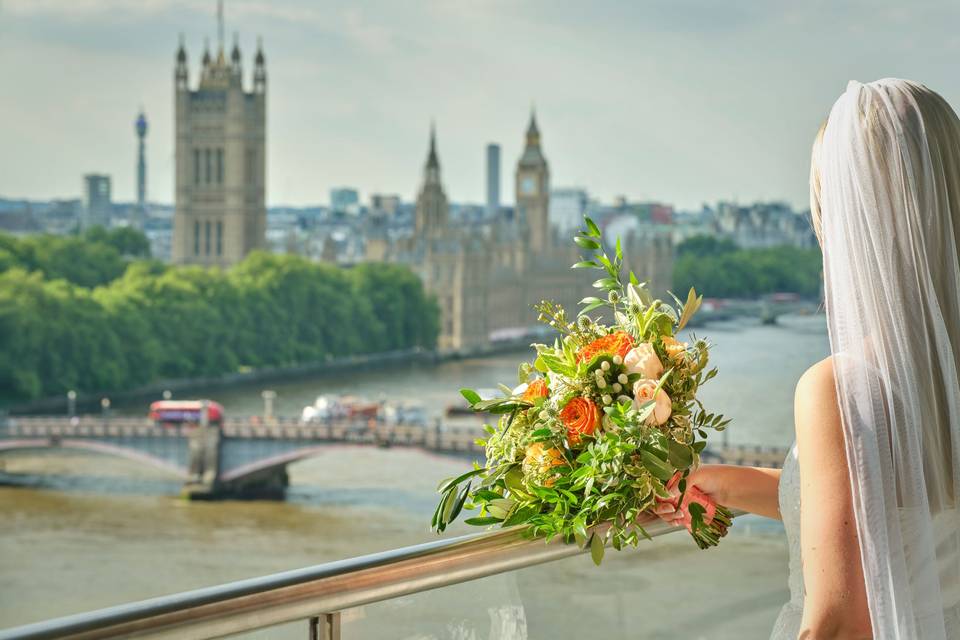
<point x="787" y="626"/>
<point x="945" y="524"/>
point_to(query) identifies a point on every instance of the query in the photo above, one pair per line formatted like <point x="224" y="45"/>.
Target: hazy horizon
<point x="682" y="104"/>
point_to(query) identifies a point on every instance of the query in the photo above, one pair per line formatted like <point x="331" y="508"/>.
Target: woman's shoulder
<point x="816" y="396"/>
<point x="818" y="378"/>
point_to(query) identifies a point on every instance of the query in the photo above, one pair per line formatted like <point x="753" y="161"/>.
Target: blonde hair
<point x="815" y="214"/>
<point x="941" y="128"/>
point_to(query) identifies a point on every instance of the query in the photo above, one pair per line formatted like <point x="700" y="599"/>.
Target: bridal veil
<point x="886" y="198"/>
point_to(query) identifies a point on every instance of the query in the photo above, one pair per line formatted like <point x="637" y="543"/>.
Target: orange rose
<point x="580" y="416"/>
<point x="536" y="389"/>
<point x="615" y="344"/>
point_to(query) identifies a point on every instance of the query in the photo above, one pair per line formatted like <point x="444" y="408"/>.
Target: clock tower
<point x="533" y="190"/>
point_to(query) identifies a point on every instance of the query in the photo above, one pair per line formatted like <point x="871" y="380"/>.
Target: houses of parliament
<point x="486" y="279"/>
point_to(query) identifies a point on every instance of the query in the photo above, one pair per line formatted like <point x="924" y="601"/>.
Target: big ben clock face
<point x="528" y="186"/>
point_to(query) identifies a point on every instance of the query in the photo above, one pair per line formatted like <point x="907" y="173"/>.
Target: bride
<point x="868" y="494"/>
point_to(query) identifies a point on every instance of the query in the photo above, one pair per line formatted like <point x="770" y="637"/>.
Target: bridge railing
<point x="315" y="595"/>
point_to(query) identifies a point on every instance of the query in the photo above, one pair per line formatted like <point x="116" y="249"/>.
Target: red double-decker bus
<point x="177" y="412"/>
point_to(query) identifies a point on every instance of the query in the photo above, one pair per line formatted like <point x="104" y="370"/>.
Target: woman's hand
<point x="752" y="489"/>
<point x="703" y="486"/>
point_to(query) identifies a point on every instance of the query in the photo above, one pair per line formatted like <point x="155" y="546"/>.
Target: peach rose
<point x="676" y="350"/>
<point x="643" y="393"/>
<point x="643" y="359"/>
<point x="580" y="416"/>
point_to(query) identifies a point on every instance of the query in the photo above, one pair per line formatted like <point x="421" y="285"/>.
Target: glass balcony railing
<point x="494" y="585"/>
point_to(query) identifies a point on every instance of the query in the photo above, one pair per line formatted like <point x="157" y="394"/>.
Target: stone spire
<point x="432" y="161"/>
<point x="259" y="69"/>
<point x="235" y="54"/>
<point x="432" y="206"/>
<point x="180" y="74"/>
<point x="532" y="154"/>
<point x="533" y="133"/>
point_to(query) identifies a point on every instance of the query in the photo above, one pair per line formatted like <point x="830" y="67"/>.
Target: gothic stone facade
<point x="220" y="161"/>
<point x="486" y="280"/>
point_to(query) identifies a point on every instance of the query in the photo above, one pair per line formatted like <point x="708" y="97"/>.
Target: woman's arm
<point x="752" y="489"/>
<point x="835" y="605"/>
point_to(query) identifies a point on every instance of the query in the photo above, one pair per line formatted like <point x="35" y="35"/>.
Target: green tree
<point x="704" y="245"/>
<point x="75" y="314"/>
<point x="128" y="241"/>
<point x="717" y="269"/>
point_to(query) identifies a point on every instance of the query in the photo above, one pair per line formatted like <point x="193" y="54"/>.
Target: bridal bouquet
<point x="604" y="425"/>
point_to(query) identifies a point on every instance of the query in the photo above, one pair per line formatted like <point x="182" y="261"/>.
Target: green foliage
<point x="96" y="258"/>
<point x="703" y="246"/>
<point x="719" y="269"/>
<point x="126" y="240"/>
<point x="115" y="325"/>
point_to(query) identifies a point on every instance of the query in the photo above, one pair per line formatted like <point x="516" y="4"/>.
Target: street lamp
<point x="105" y="406"/>
<point x="71" y="403"/>
<point x="167" y="394"/>
<point x="268" y="396"/>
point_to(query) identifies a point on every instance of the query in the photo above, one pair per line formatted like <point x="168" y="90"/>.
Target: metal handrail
<point x="311" y="592"/>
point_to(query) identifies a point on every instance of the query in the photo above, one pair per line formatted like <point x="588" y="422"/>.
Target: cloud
<point x="683" y="102"/>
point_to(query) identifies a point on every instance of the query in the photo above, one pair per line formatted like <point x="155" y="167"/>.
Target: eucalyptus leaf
<point x="448" y="484"/>
<point x="458" y="504"/>
<point x="657" y="467"/>
<point x="596" y="549"/>
<point x="680" y="455"/>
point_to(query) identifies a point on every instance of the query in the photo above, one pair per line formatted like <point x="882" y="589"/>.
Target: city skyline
<point x="670" y="104"/>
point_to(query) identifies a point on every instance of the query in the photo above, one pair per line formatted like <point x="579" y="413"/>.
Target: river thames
<point x="82" y="532"/>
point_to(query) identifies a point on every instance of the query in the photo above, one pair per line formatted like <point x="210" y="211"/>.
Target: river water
<point x="81" y="532"/>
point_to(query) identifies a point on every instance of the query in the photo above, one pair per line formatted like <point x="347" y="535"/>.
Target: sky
<point x="684" y="102"/>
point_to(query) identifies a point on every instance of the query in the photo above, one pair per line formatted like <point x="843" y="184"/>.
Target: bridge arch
<point x="284" y="458"/>
<point x="104" y="448"/>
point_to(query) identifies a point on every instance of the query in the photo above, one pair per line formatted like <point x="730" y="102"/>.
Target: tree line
<point x="94" y="313"/>
<point x="718" y="268"/>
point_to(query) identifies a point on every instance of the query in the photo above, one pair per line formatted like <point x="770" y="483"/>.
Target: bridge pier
<point x="267" y="484"/>
<point x="205" y="477"/>
<point x="204" y="464"/>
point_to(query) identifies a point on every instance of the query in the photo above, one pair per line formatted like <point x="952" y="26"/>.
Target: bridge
<point x="248" y="457"/>
<point x="245" y="457"/>
<point x="768" y="309"/>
